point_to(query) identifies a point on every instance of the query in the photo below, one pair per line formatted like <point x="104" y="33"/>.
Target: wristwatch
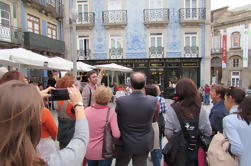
<point x="78" y="104"/>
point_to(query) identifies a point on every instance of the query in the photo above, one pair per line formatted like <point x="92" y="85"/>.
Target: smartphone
<point x="59" y="94"/>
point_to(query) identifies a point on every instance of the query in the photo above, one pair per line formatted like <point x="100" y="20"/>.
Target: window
<point x="156" y="40"/>
<point x="5" y="33"/>
<point x="33" y="24"/>
<point x="52" y="2"/>
<point x="155" y="4"/>
<point x="83" y="11"/>
<point x="156" y="49"/>
<point x="236" y="62"/>
<point x="236" y="39"/>
<point x="52" y="31"/>
<point x="190" y="9"/>
<point x="191" y="49"/>
<point x="235" y="78"/>
<point x="116" y="47"/>
<point x="216" y="45"/>
<point x="115" y="42"/>
<point x="83" y="47"/>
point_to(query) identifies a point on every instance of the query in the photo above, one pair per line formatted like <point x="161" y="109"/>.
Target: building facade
<point x="164" y="39"/>
<point x="231" y="46"/>
<point x="10" y="28"/>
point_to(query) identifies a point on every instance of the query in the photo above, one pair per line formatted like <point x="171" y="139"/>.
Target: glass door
<point x="190" y="9"/>
<point x="83" y="47"/>
<point x="83" y="10"/>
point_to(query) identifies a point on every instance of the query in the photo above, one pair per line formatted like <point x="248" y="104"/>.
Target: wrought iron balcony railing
<point x="192" y="14"/>
<point x="11" y="34"/>
<point x="191" y="51"/>
<point x="156" y="16"/>
<point x="53" y="7"/>
<point x="86" y="18"/>
<point x="84" y="54"/>
<point x="156" y="52"/>
<point x="115" y="17"/>
<point x="116" y="53"/>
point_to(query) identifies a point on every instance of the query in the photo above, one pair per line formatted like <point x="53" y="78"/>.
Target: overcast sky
<point x="215" y="4"/>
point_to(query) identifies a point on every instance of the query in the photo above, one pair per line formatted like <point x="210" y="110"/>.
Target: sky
<point x="215" y="4"/>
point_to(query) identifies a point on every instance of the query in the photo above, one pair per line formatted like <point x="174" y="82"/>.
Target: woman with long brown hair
<point x="20" y="106"/>
<point x="187" y="115"/>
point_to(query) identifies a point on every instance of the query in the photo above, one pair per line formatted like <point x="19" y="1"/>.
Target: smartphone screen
<point x="59" y="94"/>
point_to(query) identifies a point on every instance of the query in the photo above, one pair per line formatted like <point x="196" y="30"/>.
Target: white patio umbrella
<point x="84" y="67"/>
<point x="69" y="64"/>
<point x="28" y="59"/>
<point x="114" y="67"/>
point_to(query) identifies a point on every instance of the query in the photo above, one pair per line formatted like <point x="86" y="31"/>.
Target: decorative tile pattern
<point x="99" y="41"/>
<point x="135" y="30"/>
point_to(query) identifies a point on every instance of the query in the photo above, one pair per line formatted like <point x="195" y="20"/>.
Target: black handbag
<point x="108" y="140"/>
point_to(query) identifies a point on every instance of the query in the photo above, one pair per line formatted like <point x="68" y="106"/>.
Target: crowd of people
<point x="139" y="122"/>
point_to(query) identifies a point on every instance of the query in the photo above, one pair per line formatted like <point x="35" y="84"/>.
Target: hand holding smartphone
<point x="59" y="94"/>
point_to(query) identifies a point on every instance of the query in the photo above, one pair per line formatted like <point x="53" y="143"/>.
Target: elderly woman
<point x="237" y="129"/>
<point x="96" y="116"/>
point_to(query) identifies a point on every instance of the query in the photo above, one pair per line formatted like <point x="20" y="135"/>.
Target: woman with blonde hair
<point x="96" y="115"/>
<point x="20" y="108"/>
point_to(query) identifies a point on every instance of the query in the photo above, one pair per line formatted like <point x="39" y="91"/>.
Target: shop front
<point x="158" y="71"/>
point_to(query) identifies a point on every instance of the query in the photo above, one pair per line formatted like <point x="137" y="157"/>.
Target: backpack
<point x="176" y="150"/>
<point x="190" y="129"/>
<point x="217" y="154"/>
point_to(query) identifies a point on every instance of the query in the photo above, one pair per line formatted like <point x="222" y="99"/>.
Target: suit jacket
<point x="135" y="114"/>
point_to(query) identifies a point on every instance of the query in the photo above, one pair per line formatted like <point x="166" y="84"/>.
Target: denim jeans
<point x="107" y="162"/>
<point x="207" y="99"/>
<point x="156" y="155"/>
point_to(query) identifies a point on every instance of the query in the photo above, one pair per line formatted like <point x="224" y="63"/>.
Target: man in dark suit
<point x="135" y="114"/>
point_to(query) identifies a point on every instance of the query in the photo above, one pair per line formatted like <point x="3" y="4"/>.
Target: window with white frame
<point x="116" y="46"/>
<point x="191" y="9"/>
<point x="235" y="78"/>
<point x="83" y="9"/>
<point x="155" y="4"/>
<point x="156" y="49"/>
<point x="52" y="31"/>
<point x="83" y="47"/>
<point x="5" y="24"/>
<point x="191" y="49"/>
<point x="33" y="24"/>
<point x="216" y="45"/>
<point x="235" y="62"/>
<point x="156" y="40"/>
<point x="236" y="39"/>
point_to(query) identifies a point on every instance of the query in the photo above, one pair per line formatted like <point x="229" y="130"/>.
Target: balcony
<point x="216" y="50"/>
<point x="11" y="36"/>
<point x="192" y="16"/>
<point x="191" y="51"/>
<point x="53" y="8"/>
<point x="115" y="18"/>
<point x="84" y="54"/>
<point x="116" y="53"/>
<point x="156" y="17"/>
<point x="86" y="20"/>
<point x="156" y="52"/>
<point x="43" y="43"/>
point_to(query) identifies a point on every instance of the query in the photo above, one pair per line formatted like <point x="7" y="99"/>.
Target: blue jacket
<point x="218" y="112"/>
